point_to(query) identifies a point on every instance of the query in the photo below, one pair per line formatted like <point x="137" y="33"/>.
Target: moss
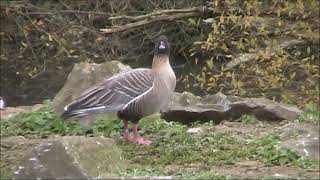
<point x="99" y="156"/>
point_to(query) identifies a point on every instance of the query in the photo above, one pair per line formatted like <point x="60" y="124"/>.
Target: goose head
<point x="162" y="45"/>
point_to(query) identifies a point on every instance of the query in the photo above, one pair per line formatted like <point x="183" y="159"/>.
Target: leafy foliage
<point x="256" y="38"/>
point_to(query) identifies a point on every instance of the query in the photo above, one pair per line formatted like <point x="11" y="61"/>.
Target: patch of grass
<point x="248" y="118"/>
<point x="203" y="175"/>
<point x="39" y="123"/>
<point x="174" y="145"/>
<point x="266" y="149"/>
<point x="43" y="122"/>
<point x="310" y="114"/>
<point x="138" y="170"/>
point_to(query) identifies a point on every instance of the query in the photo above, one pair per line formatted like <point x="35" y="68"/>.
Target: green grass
<point x="139" y="170"/>
<point x="266" y="149"/>
<point x="248" y="118"/>
<point x="310" y="114"/>
<point x="43" y="122"/>
<point x="172" y="144"/>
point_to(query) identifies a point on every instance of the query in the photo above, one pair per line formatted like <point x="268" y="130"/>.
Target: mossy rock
<point x="72" y="157"/>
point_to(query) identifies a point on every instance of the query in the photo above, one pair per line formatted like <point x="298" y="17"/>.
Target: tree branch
<point x="163" y="15"/>
<point x="161" y="12"/>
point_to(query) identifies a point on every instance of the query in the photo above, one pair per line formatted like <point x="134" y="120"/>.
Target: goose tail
<point x="70" y="112"/>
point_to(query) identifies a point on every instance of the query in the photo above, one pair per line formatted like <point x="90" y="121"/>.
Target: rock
<point x="301" y="137"/>
<point x="194" y="130"/>
<point x="82" y="76"/>
<point x="186" y="107"/>
<point x="72" y="157"/>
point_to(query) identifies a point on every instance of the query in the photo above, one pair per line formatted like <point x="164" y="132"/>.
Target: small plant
<point x="267" y="150"/>
<point x="108" y="126"/>
<point x="138" y="170"/>
<point x="248" y="118"/>
<point x="39" y="123"/>
<point x="203" y="175"/>
<point x="311" y="114"/>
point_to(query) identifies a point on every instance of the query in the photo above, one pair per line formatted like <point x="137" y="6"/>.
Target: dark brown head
<point x="162" y="45"/>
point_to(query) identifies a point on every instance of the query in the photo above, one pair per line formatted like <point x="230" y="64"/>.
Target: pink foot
<point x="139" y="140"/>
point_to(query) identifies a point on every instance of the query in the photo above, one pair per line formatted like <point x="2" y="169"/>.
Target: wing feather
<point x="112" y="94"/>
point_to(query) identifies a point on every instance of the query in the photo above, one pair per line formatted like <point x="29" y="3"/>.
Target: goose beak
<point x="162" y="45"/>
<point x="2" y="104"/>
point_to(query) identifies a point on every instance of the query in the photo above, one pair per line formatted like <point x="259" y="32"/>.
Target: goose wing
<point x="112" y="94"/>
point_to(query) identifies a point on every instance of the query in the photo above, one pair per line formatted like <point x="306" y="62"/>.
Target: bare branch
<point x="70" y="11"/>
<point x="161" y="12"/>
<point x="149" y="21"/>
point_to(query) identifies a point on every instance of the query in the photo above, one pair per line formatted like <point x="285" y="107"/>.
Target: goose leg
<point x="136" y="138"/>
<point x="126" y="130"/>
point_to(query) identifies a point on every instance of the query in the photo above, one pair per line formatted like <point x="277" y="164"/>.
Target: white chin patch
<point x="162" y="46"/>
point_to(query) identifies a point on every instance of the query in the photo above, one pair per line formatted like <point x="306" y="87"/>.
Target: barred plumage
<point x="133" y="94"/>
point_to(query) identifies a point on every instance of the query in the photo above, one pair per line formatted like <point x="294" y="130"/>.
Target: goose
<point x="132" y="95"/>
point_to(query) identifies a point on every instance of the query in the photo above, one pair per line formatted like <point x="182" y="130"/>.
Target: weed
<point x="248" y="118"/>
<point x="39" y="123"/>
<point x="267" y="150"/>
<point x="138" y="170"/>
<point x="311" y="114"/>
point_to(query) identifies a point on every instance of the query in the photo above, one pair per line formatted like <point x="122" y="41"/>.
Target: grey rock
<point x="72" y="157"/>
<point x="301" y="137"/>
<point x="186" y="107"/>
<point x="82" y="76"/>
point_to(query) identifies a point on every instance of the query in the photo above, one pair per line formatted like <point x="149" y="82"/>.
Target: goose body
<point x="132" y="94"/>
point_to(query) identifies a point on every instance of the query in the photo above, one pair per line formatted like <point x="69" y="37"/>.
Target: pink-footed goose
<point x="132" y="94"/>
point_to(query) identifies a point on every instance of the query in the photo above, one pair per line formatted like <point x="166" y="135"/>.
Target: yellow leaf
<point x="209" y="64"/>
<point x="40" y="22"/>
<point x="50" y="37"/>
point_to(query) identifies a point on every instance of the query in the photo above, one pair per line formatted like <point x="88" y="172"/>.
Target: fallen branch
<point x="149" y="21"/>
<point x="69" y="11"/>
<point x="161" y="12"/>
<point x="163" y="15"/>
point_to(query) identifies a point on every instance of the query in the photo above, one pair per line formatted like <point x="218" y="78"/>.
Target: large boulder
<point x="186" y="107"/>
<point x="82" y="76"/>
<point x="72" y="157"/>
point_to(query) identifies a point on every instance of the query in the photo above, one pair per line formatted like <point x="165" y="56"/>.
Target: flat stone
<point x="186" y="108"/>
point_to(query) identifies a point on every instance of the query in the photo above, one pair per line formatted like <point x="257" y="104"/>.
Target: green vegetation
<point x="311" y="114"/>
<point x="262" y="44"/>
<point x="138" y="170"/>
<point x="248" y="118"/>
<point x="173" y="146"/>
<point x="266" y="150"/>
<point x="272" y="44"/>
